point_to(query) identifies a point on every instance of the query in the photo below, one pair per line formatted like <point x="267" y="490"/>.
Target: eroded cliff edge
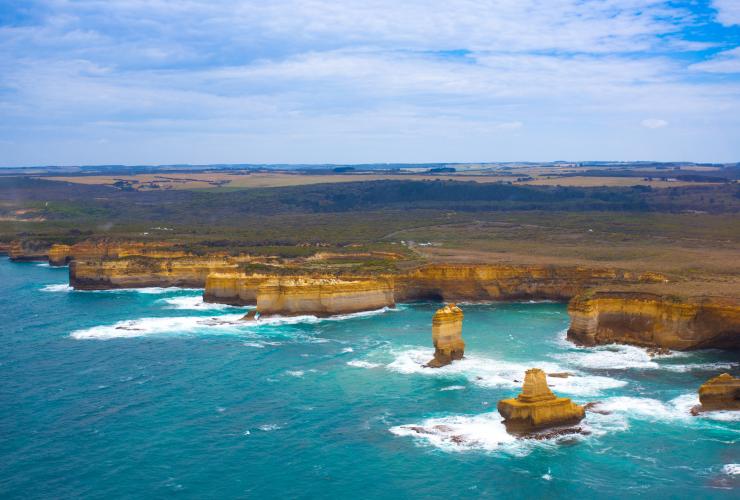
<point x="653" y="320"/>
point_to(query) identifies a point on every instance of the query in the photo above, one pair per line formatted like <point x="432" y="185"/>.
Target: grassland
<point x="691" y="233"/>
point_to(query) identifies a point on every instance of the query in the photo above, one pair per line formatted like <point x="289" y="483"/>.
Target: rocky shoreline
<point x="293" y="286"/>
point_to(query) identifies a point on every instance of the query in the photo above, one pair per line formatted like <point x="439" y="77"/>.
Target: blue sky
<point x="355" y="81"/>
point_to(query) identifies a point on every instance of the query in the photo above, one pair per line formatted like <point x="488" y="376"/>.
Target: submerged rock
<point x="719" y="393"/>
<point x="252" y="315"/>
<point x="537" y="407"/>
<point x="447" y="336"/>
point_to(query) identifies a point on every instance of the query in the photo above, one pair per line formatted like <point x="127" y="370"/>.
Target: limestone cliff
<point x="137" y="272"/>
<point x="233" y="288"/>
<point x="290" y="296"/>
<point x="651" y="320"/>
<point x="477" y="282"/>
<point x="459" y="282"/>
<point x="720" y="393"/>
<point x="59" y="254"/>
<point x="28" y="250"/>
<point x="447" y="336"/>
<point x="537" y="407"/>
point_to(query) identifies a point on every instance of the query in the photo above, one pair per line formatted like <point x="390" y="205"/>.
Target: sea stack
<point x="719" y="393"/>
<point x="447" y="336"/>
<point x="537" y="407"/>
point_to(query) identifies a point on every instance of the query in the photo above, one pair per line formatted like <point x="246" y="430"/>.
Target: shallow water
<point x="152" y="392"/>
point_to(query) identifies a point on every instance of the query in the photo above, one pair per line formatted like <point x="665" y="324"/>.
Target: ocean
<point x="152" y="393"/>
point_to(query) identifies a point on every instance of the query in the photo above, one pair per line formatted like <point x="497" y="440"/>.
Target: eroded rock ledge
<point x="651" y="320"/>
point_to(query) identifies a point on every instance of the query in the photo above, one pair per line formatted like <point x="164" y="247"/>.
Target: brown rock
<point x="447" y="336"/>
<point x="654" y="321"/>
<point x="537" y="407"/>
<point x="720" y="393"/>
<point x="251" y="316"/>
<point x="28" y="250"/>
<point x="560" y="374"/>
<point x="59" y="255"/>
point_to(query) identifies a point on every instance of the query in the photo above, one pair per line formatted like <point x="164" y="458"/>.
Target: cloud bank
<point x="313" y="81"/>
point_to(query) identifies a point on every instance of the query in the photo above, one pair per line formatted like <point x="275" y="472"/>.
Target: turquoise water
<point x="152" y="393"/>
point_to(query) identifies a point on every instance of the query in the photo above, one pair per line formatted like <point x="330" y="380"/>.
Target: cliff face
<point x="233" y="288"/>
<point x="137" y="272"/>
<point x="447" y="336"/>
<point x="290" y="296"/>
<point x="720" y="393"/>
<point x="537" y="407"/>
<point x="459" y="282"/>
<point x="503" y="282"/>
<point x="59" y="254"/>
<point x="21" y="251"/>
<point x="653" y="321"/>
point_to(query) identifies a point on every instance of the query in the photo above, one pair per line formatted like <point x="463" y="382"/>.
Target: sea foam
<point x="494" y="373"/>
<point x="221" y="324"/>
<point x="61" y="287"/>
<point x="194" y="303"/>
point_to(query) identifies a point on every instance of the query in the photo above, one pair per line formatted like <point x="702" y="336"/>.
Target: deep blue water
<point x="153" y="394"/>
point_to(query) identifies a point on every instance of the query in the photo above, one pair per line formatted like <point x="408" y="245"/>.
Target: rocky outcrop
<point x="719" y="393"/>
<point x="291" y="296"/>
<point x="138" y="272"/>
<point x="447" y="336"/>
<point x="651" y="320"/>
<point x="28" y="250"/>
<point x="537" y="407"/>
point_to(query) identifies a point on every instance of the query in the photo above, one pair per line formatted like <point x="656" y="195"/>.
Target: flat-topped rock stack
<point x="719" y="393"/>
<point x="447" y="336"/>
<point x="537" y="407"/>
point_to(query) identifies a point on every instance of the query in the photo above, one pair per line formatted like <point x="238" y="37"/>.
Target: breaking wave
<point x="194" y="303"/>
<point x="490" y="373"/>
<point x="188" y="325"/>
<point x="626" y="357"/>
<point x="357" y="363"/>
<point x="61" y="287"/>
<point x="486" y="432"/>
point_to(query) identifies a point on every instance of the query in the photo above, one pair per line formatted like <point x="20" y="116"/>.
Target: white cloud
<point x="724" y="62"/>
<point x="653" y="123"/>
<point x="728" y="11"/>
<point x="336" y="79"/>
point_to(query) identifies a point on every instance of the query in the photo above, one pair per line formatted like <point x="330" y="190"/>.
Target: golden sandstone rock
<point x="651" y="320"/>
<point x="720" y="393"/>
<point x="292" y="296"/>
<point x="60" y="255"/>
<point x="28" y="250"/>
<point x="139" y="272"/>
<point x="537" y="407"/>
<point x="447" y="336"/>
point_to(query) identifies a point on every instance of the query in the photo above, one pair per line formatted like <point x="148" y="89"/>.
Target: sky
<point x="367" y="81"/>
